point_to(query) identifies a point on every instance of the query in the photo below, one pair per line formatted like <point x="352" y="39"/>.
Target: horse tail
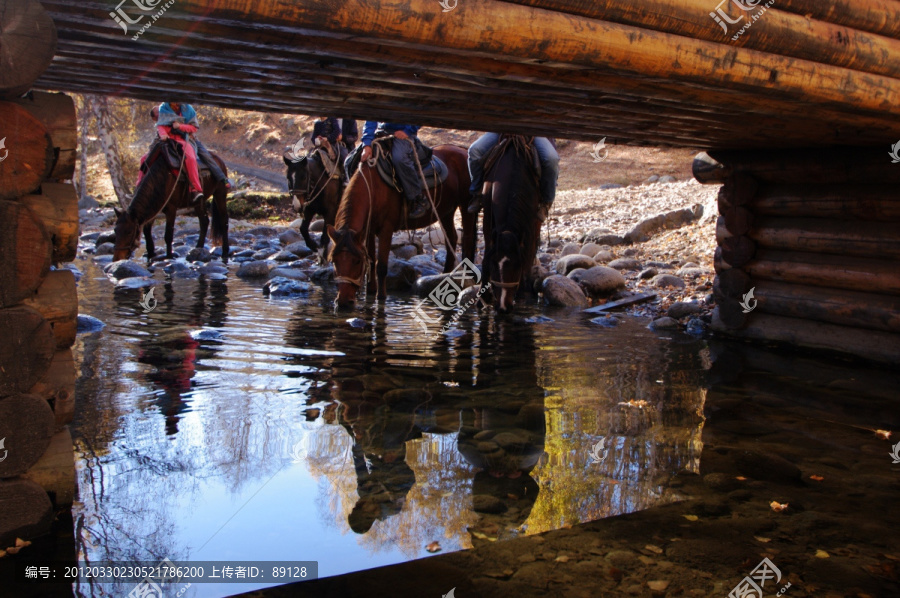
<point x="219" y="208"/>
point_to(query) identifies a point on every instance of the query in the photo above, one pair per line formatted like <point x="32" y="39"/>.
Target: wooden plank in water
<point x="639" y="298"/>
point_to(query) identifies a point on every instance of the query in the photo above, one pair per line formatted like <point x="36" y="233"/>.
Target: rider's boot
<point x="420" y="207"/>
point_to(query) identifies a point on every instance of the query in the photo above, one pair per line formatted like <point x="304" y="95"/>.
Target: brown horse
<point x="511" y="224"/>
<point x="371" y="208"/>
<point x="163" y="190"/>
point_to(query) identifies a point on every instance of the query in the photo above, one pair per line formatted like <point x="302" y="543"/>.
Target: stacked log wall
<point x="816" y="235"/>
<point x="38" y="300"/>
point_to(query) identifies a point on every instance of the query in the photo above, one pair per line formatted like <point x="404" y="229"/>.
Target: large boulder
<point x="600" y="280"/>
<point x="563" y="292"/>
<point x="570" y="262"/>
<point x="645" y="229"/>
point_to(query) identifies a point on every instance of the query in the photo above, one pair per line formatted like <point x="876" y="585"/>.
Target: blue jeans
<point x="546" y="154"/>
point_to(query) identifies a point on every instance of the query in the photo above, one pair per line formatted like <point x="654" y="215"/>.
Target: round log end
<point x="26" y="426"/>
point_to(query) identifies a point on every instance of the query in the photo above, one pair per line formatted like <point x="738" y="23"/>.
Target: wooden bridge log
<point x="55" y="470"/>
<point x="26" y="424"/>
<point x="25" y="511"/>
<point x="845" y="202"/>
<point x="57" y="386"/>
<point x="56" y="111"/>
<point x="738" y="250"/>
<point x="868" y="344"/>
<point x="28" y="46"/>
<point x="862" y="239"/>
<point x="779" y="32"/>
<point x="847" y="308"/>
<point x="26" y="249"/>
<point x="837" y="272"/>
<point x="28" y="153"/>
<point x="27" y="350"/>
<point x="57" y="301"/>
<point x="737" y="220"/>
<point x="838" y="165"/>
<point x="57" y="208"/>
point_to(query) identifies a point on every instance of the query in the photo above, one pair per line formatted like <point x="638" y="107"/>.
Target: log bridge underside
<point x="796" y="102"/>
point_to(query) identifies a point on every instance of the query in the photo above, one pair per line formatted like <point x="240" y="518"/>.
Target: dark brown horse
<point x="163" y="190"/>
<point x="370" y="208"/>
<point x="317" y="187"/>
<point x="511" y="224"/>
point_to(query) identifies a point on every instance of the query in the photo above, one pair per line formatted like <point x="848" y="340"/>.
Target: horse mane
<point x="521" y="204"/>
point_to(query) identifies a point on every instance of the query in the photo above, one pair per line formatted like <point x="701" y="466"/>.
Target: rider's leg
<point x="549" y="172"/>
<point x="477" y="152"/>
<point x="404" y="157"/>
<point x="193" y="173"/>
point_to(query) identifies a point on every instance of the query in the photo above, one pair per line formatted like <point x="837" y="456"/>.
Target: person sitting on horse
<point x="329" y="128"/>
<point x="549" y="159"/>
<point x="349" y="133"/>
<point x="407" y="150"/>
<point x="178" y="122"/>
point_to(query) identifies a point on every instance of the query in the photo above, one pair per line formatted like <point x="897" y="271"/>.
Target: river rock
<point x="243" y="253"/>
<point x="323" y="275"/>
<point x="182" y="250"/>
<point x="290" y="236"/>
<point x="405" y="252"/>
<point x="668" y="178"/>
<point x="423" y="265"/>
<point x="604" y="256"/>
<point x="681" y="309"/>
<point x="426" y="284"/>
<point x="469" y="297"/>
<point x="89" y="324"/>
<point x="286" y="287"/>
<point x="590" y="249"/>
<point x="645" y="229"/>
<point x="126" y="269"/>
<point x="766" y="466"/>
<point x="570" y="262"/>
<point x="104" y="249"/>
<point x="606" y="239"/>
<point x="254" y="269"/>
<point x="652" y="179"/>
<point x="696" y="327"/>
<point x="137" y="282"/>
<point x="401" y="275"/>
<point x="607" y="321"/>
<point x="600" y="280"/>
<point x="665" y="323"/>
<point x="570" y="249"/>
<point x="264" y="253"/>
<point x="625" y="263"/>
<point x="563" y="292"/>
<point x="262" y="231"/>
<point x="199" y="254"/>
<point x="284" y="256"/>
<point x="317" y="226"/>
<point x="74" y="270"/>
<point x="291" y="273"/>
<point x="544" y="258"/>
<point x="648" y="273"/>
<point x="106" y="237"/>
<point x="299" y="249"/>
<point x="690" y="272"/>
<point x="212" y="269"/>
<point x="662" y="281"/>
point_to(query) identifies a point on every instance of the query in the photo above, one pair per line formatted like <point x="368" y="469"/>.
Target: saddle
<point x="433" y="168"/>
<point x="171" y="153"/>
<point x="523" y="146"/>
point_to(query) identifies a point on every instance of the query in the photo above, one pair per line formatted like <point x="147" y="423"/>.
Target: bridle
<point x="358" y="282"/>
<point x="310" y="187"/>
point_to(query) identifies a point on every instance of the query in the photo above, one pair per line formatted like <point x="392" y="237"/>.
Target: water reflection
<point x="226" y="425"/>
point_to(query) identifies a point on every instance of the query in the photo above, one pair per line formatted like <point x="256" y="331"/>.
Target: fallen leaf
<point x="691" y="517"/>
<point x="883" y="434"/>
<point x="816" y="478"/>
<point x="741" y="478"/>
<point x="479" y="535"/>
<point x="653" y="549"/>
<point x="658" y="586"/>
<point x="512" y="496"/>
<point x="762" y="539"/>
<point x="821" y="554"/>
<point x="2" y="553"/>
<point x="20" y="543"/>
<point x="777" y="506"/>
<point x="562" y="559"/>
<point x="13" y="550"/>
<point x="433" y="547"/>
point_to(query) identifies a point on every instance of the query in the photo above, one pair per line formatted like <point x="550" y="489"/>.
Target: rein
<point x="358" y="282"/>
<point x="324" y="174"/>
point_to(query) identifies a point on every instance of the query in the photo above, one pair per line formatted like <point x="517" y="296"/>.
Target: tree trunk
<point x="27" y="47"/>
<point x="105" y="127"/>
<point x="26" y="152"/>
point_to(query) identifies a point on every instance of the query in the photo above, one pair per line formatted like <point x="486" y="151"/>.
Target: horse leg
<point x="148" y="239"/>
<point x="203" y="215"/>
<point x="450" y="241"/>
<point x="308" y="215"/>
<point x="170" y="231"/>
<point x="469" y="235"/>
<point x="384" y="253"/>
<point x="371" y="286"/>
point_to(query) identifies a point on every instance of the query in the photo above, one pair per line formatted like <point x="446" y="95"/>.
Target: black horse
<point x="165" y="189"/>
<point x="317" y="182"/>
<point x="511" y="223"/>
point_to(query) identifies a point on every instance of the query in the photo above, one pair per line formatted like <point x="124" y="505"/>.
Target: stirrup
<point x="198" y="197"/>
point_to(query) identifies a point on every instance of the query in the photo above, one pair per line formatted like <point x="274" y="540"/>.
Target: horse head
<point x="127" y="235"/>
<point x="348" y="255"/>
<point x="506" y="269"/>
<point x="298" y="178"/>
